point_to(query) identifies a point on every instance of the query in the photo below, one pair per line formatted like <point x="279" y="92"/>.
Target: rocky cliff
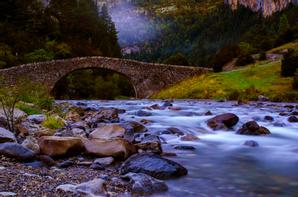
<point x="267" y="7"/>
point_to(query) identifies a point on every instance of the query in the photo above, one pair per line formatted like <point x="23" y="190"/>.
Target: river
<point x="221" y="165"/>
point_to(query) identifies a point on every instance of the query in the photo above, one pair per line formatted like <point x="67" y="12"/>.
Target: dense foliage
<point x="289" y="63"/>
<point x="31" y="31"/>
<point x="199" y="36"/>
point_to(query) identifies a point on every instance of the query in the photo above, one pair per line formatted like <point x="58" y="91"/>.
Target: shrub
<point x="225" y="55"/>
<point x="38" y="56"/>
<point x="22" y="91"/>
<point x="289" y="63"/>
<point x="262" y="56"/>
<point x="244" y="60"/>
<point x="53" y="122"/>
<point x="295" y="80"/>
<point x="177" y="59"/>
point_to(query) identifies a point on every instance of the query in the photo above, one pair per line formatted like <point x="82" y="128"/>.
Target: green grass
<point x="291" y="45"/>
<point x="28" y="109"/>
<point x="244" y="84"/>
<point x="53" y="122"/>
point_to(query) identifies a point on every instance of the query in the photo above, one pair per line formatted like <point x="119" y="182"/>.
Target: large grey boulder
<point x="153" y="165"/>
<point x="6" y="136"/>
<point x="16" y="151"/>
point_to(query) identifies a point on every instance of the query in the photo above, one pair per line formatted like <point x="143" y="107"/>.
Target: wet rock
<point x="47" y="160"/>
<point x="263" y="98"/>
<point x="105" y="161"/>
<point x="37" y="118"/>
<point x="293" y="119"/>
<point x="60" y="146"/>
<point x="66" y="164"/>
<point x="208" y="113"/>
<point x="184" y="147"/>
<point x="167" y="103"/>
<point x="78" y="132"/>
<point x="134" y="127"/>
<point x="223" y="121"/>
<point x="174" y="108"/>
<point x="150" y="143"/>
<point x="189" y="137"/>
<point x="103" y="115"/>
<point x="96" y="187"/>
<point x="252" y="128"/>
<point x="142" y="184"/>
<point x="153" y="165"/>
<point x="6" y="136"/>
<point x="97" y="166"/>
<point x="73" y="116"/>
<point x="173" y="131"/>
<point x="143" y="113"/>
<point x="16" y="151"/>
<point x="108" y="132"/>
<point x="144" y="121"/>
<point x="283" y="113"/>
<point x="28" y="128"/>
<point x="32" y="144"/>
<point x="119" y="148"/>
<point x="289" y="106"/>
<point x="156" y="107"/>
<point x="269" y="118"/>
<point x="168" y="154"/>
<point x="279" y="124"/>
<point x="251" y="143"/>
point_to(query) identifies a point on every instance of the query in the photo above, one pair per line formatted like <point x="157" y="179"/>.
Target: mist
<point x="132" y="23"/>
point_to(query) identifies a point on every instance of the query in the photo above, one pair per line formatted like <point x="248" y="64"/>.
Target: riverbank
<point x="144" y="147"/>
<point x="247" y="83"/>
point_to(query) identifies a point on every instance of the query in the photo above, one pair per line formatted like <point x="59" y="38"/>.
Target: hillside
<point x="245" y="83"/>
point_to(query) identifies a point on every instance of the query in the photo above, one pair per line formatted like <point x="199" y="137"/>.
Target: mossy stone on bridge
<point x="146" y="78"/>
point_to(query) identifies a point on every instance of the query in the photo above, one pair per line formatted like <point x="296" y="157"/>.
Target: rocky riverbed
<point x="155" y="148"/>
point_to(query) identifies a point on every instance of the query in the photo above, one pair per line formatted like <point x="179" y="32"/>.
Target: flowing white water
<point x="221" y="165"/>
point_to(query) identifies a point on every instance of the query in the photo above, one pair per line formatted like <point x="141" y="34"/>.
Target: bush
<point x="53" y="122"/>
<point x="225" y="55"/>
<point x="289" y="64"/>
<point x="262" y="56"/>
<point x="38" y="56"/>
<point x="177" y="59"/>
<point x="295" y="80"/>
<point x="244" y="60"/>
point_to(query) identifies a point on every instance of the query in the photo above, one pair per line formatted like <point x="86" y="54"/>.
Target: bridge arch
<point x="147" y="78"/>
<point x="60" y="81"/>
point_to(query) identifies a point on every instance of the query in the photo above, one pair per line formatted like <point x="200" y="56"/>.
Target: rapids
<point x="221" y="165"/>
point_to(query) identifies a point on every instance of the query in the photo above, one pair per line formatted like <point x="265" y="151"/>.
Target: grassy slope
<point x="245" y="83"/>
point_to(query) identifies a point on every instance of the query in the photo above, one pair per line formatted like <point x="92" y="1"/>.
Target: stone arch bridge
<point x="146" y="78"/>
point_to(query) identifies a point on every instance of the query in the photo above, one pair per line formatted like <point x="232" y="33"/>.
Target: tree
<point x="177" y="59"/>
<point x="289" y="63"/>
<point x="283" y="24"/>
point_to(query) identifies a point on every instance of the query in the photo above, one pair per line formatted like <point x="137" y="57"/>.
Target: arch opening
<point x="94" y="84"/>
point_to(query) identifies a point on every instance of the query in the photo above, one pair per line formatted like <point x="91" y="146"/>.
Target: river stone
<point x="150" y="143"/>
<point x="184" y="147"/>
<point x="16" y="151"/>
<point x="134" y="127"/>
<point x="55" y="146"/>
<point x="105" y="161"/>
<point x="96" y="187"/>
<point x="252" y="128"/>
<point x="37" y="118"/>
<point x="108" y="132"/>
<point x="153" y="165"/>
<point x="142" y="184"/>
<point x="293" y="119"/>
<point x="118" y="148"/>
<point x="269" y="118"/>
<point x="167" y="103"/>
<point x="223" y="121"/>
<point x="103" y="115"/>
<point x="143" y="113"/>
<point x="47" y="160"/>
<point x="6" y="136"/>
<point x="174" y="131"/>
<point x="251" y="143"/>
<point x="189" y="137"/>
<point x="32" y="144"/>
